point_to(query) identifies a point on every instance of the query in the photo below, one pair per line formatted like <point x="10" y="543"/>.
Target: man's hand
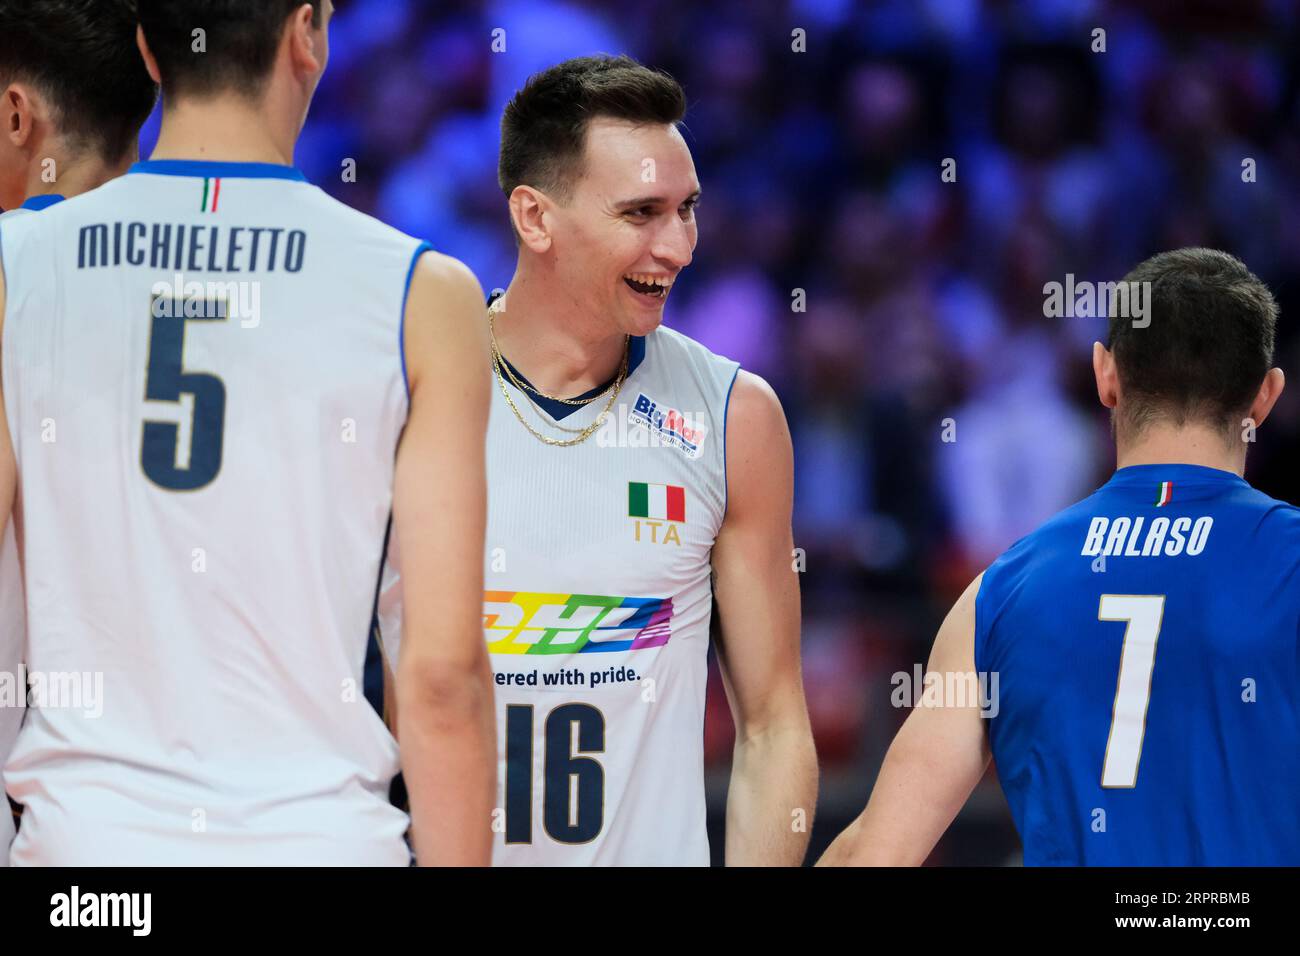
<point x="932" y="766"/>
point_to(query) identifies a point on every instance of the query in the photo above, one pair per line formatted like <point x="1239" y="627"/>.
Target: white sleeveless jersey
<point x="597" y="615"/>
<point x="205" y="477"/>
<point x="13" y="628"/>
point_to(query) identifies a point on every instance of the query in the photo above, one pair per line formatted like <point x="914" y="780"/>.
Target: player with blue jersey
<point x="1146" y="641"/>
<point x="74" y="95"/>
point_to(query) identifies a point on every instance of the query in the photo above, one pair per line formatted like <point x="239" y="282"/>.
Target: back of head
<point x="1207" y="347"/>
<point x="208" y="47"/>
<point x="81" y="56"/>
<point x="544" y="127"/>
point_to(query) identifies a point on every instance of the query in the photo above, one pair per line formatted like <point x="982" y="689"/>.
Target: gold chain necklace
<point x="499" y="362"/>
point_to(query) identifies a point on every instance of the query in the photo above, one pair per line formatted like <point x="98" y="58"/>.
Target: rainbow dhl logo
<point x="668" y="425"/>
<point x="524" y="622"/>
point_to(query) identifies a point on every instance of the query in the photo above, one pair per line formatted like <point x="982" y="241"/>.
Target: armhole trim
<point x="401" y="324"/>
<point x="726" y="408"/>
<point x="980" y="649"/>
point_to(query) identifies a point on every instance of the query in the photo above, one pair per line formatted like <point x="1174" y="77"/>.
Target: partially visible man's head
<point x="602" y="183"/>
<point x="544" y="128"/>
<point x="1207" y="349"/>
<point x="205" y="48"/>
<point x="73" y="66"/>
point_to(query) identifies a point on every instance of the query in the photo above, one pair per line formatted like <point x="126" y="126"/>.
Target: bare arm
<point x="444" y="680"/>
<point x="932" y="766"/>
<point x="773" y="793"/>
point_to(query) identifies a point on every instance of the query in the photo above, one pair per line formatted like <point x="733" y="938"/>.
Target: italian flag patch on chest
<point x="656" y="502"/>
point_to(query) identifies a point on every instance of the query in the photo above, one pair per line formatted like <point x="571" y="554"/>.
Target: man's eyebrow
<point x="640" y="201"/>
<point x="650" y="201"/>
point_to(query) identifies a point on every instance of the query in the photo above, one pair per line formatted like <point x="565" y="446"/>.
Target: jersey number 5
<point x="573" y="795"/>
<point x="167" y="461"/>
<point x="1143" y="614"/>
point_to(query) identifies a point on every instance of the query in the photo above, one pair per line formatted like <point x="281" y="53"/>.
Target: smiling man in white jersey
<point x="658" y="466"/>
<point x="74" y="95"/>
<point x="233" y="357"/>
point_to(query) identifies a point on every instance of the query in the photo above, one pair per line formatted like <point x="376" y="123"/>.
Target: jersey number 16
<point x="573" y="793"/>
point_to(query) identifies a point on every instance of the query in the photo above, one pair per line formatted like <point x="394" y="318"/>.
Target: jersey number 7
<point x="1143" y="614"/>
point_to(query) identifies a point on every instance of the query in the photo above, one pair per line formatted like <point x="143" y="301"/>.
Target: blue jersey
<point x="1146" y="643"/>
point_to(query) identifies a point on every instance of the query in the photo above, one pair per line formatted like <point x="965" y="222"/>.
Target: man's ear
<point x="1103" y="367"/>
<point x="150" y="63"/>
<point x="1269" y="392"/>
<point x="19" y="109"/>
<point x="306" y="44"/>
<point x="528" y="211"/>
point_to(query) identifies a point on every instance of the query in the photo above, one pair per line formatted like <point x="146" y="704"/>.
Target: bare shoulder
<point x="442" y="276"/>
<point x="965" y="605"/>
<point x="759" y="453"/>
<point x="445" y="328"/>
<point x="954" y="646"/>
<point x="754" y="413"/>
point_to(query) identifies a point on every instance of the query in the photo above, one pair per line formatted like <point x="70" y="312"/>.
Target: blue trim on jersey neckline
<point x="559" y="410"/>
<point x="206" y="169"/>
<point x="1139" y="474"/>
<point x="37" y="203"/>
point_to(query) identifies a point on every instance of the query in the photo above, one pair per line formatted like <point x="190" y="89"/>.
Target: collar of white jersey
<point x="561" y="410"/>
<point x="208" y="169"/>
<point x="37" y="203"/>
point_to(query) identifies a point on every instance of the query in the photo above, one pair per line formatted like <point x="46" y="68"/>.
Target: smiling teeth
<point x="662" y="281"/>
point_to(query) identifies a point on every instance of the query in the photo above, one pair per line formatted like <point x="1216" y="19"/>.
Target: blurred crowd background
<point x="924" y="298"/>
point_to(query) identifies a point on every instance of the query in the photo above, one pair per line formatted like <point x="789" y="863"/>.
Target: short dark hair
<point x="240" y="39"/>
<point x="544" y="127"/>
<point x="81" y="55"/>
<point x="1209" y="343"/>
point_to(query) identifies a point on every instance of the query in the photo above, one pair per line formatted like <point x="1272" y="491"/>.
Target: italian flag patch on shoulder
<point x="656" y="502"/>
<point x="1165" y="494"/>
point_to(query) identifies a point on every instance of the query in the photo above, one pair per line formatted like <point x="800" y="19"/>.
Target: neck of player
<point x="1190" y="444"/>
<point x="75" y="175"/>
<point x="549" y="339"/>
<point x="227" y="129"/>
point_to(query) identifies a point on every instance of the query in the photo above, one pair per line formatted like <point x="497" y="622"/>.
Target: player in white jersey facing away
<point x="658" y="482"/>
<point x="73" y="95"/>
<point x="204" y="537"/>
